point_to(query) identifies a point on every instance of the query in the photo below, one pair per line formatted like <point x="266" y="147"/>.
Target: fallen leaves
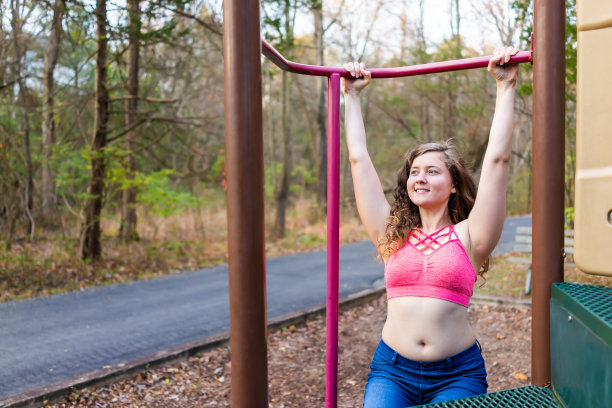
<point x="520" y="377"/>
<point x="296" y="368"/>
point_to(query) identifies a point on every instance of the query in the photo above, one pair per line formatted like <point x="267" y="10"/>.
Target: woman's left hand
<point x="499" y="67"/>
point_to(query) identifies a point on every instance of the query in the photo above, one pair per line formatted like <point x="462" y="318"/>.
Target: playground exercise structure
<point x="333" y="172"/>
<point x="244" y="158"/>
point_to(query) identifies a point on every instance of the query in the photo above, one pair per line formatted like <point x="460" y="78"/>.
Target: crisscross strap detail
<point x="441" y="271"/>
<point x="428" y="244"/>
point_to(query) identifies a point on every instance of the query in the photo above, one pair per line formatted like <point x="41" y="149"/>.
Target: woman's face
<point x="429" y="182"/>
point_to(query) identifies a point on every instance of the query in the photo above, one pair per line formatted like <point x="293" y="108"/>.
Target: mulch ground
<point x="296" y="365"/>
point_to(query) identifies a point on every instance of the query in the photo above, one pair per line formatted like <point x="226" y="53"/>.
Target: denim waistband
<point x="457" y="359"/>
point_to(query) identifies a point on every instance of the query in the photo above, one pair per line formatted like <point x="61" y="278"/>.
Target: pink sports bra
<point x="435" y="266"/>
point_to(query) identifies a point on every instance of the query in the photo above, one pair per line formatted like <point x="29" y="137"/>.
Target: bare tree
<point x="284" y="23"/>
<point x="129" y="219"/>
<point x="424" y="116"/>
<point x="48" y="123"/>
<point x="282" y="194"/>
<point x="91" y="245"/>
<point x="498" y="13"/>
<point x="321" y="152"/>
<point x="17" y="22"/>
<point x="448" y="118"/>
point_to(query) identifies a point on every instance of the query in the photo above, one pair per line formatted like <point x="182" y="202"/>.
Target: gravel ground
<point x="297" y="364"/>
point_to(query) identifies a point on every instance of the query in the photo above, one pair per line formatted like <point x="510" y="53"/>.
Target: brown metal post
<point x="548" y="174"/>
<point x="245" y="204"/>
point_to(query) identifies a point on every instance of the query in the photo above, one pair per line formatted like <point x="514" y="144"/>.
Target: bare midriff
<point x="427" y="329"/>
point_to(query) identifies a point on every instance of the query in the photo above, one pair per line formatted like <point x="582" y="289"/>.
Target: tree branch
<point x="142" y="98"/>
<point x="400" y="120"/>
<point x="198" y="20"/>
<point x="13" y="82"/>
<point x="372" y="22"/>
<point x="335" y="17"/>
<point x="151" y="119"/>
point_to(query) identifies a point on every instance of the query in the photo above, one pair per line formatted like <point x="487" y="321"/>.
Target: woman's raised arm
<point x="372" y="204"/>
<point x="486" y="219"/>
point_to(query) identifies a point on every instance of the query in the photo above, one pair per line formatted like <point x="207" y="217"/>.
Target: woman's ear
<point x="453" y="189"/>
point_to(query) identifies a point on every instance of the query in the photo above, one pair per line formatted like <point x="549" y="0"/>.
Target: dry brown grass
<point x="193" y="240"/>
<point x="507" y="279"/>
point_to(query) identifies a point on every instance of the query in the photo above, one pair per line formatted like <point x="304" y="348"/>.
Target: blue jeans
<point x="396" y="381"/>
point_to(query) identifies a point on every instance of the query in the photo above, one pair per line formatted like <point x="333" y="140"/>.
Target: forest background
<point x="112" y="126"/>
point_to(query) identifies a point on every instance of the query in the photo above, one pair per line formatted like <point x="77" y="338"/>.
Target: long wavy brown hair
<point x="405" y="214"/>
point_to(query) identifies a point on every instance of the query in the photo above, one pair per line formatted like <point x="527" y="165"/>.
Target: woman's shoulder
<point x="463" y="233"/>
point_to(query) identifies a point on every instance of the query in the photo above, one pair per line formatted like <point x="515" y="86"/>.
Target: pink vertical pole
<point x="333" y="236"/>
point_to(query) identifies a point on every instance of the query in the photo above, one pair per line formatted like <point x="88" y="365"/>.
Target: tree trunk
<point x="282" y="196"/>
<point x="129" y="219"/>
<point x="17" y="24"/>
<point x="321" y="109"/>
<point x="448" y="129"/>
<point x="455" y="25"/>
<point x="11" y="209"/>
<point x="48" y="123"/>
<point x="424" y="118"/>
<point x="92" y="248"/>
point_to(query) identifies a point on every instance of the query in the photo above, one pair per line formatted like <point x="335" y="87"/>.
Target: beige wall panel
<point x="593" y="228"/>
<point x="594" y="99"/>
<point x="593" y="232"/>
<point x="594" y="14"/>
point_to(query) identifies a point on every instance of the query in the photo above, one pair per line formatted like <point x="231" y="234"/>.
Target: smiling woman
<point x="434" y="237"/>
<point x="429" y="181"/>
<point x="432" y="174"/>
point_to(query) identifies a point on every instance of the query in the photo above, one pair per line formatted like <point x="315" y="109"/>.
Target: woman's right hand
<point x="499" y="67"/>
<point x="360" y="78"/>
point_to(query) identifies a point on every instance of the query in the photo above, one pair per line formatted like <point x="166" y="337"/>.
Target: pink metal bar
<point x="431" y="68"/>
<point x="333" y="237"/>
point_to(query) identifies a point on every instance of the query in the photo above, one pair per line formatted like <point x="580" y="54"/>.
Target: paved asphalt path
<point x="54" y="338"/>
